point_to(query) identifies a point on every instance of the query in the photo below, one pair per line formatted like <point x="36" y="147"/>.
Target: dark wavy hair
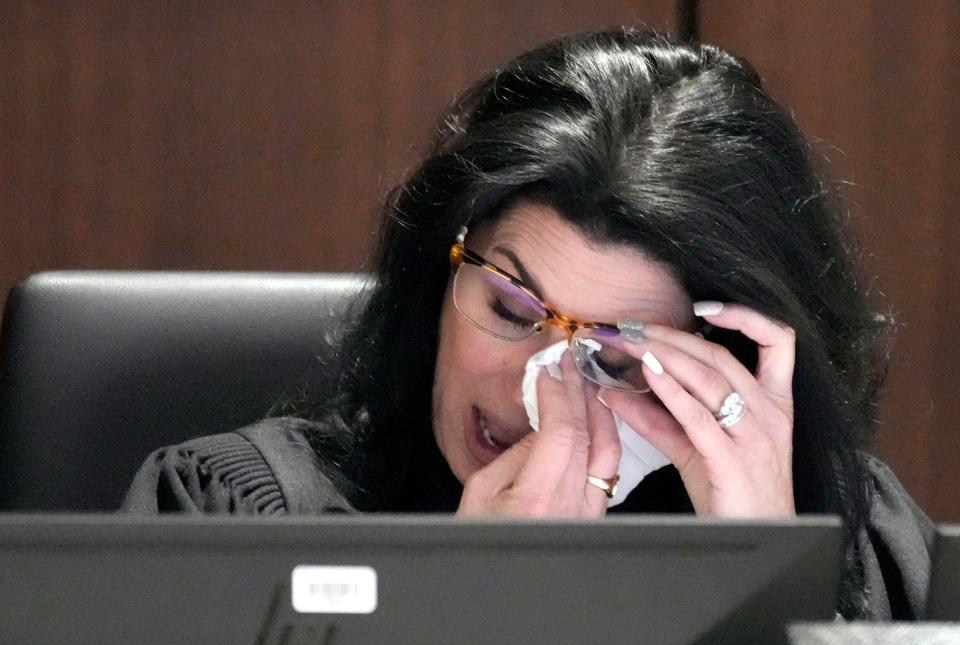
<point x="673" y="148"/>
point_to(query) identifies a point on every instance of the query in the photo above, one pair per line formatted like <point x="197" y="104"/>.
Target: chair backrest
<point x="97" y="369"/>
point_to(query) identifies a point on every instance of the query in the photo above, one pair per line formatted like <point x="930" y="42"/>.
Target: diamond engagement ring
<point x="731" y="411"/>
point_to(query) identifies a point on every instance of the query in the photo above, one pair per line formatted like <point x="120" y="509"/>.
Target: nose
<point x="550" y="335"/>
<point x="554" y="333"/>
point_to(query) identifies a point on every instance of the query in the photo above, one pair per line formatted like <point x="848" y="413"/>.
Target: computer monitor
<point x="944" y="601"/>
<point x="411" y="579"/>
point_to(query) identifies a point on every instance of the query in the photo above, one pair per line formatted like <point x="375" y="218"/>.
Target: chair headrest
<point x="97" y="369"/>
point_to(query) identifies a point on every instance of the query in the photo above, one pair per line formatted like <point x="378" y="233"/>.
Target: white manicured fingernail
<point x="602" y="401"/>
<point x="651" y="361"/>
<point x="707" y="308"/>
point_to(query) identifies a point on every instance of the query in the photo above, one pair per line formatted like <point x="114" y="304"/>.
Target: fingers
<point x="708" y="381"/>
<point x="563" y="442"/>
<point x="709" y="371"/>
<point x="776" y="351"/>
<point x="776" y="342"/>
<point x="605" y="448"/>
<point x="578" y="435"/>
<point x="742" y="470"/>
<point x="711" y="386"/>
<point x="484" y="486"/>
<point x="649" y="419"/>
<point x="546" y="473"/>
<point x="698" y="422"/>
<point x="500" y="473"/>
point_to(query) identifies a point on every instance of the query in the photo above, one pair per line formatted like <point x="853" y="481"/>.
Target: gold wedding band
<point x="608" y="486"/>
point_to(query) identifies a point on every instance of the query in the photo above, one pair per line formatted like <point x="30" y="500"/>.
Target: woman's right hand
<point x="545" y="473"/>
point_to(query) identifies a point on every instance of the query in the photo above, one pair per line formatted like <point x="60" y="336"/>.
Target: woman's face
<point x="478" y="376"/>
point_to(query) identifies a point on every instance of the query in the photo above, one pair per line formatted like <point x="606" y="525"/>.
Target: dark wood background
<point x="246" y="135"/>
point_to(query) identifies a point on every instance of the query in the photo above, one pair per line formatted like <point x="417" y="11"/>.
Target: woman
<point x="645" y="196"/>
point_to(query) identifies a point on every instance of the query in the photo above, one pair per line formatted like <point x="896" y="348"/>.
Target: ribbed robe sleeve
<point x="264" y="469"/>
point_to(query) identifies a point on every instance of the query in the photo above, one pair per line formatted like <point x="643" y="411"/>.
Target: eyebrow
<point x="534" y="286"/>
<point x="528" y="279"/>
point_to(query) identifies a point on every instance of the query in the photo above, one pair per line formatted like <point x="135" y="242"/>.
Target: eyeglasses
<point x="500" y="304"/>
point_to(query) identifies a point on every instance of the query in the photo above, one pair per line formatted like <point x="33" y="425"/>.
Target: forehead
<point x="583" y="279"/>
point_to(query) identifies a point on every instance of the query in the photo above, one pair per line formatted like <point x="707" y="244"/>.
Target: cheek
<point x="469" y="352"/>
<point x="457" y="354"/>
<point x="472" y="358"/>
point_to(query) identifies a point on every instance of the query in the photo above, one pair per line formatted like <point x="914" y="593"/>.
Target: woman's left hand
<point x="744" y="470"/>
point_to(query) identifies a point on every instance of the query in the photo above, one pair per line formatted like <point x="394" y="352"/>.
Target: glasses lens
<point x="601" y="358"/>
<point x="494" y="304"/>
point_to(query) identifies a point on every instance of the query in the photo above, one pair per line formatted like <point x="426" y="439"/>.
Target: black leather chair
<point x="97" y="369"/>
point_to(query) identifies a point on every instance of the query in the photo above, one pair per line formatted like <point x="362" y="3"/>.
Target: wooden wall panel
<point x="234" y="135"/>
<point x="877" y="83"/>
<point x="242" y="135"/>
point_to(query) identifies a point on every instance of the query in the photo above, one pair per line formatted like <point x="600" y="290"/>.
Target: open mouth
<point x="487" y="440"/>
<point x="497" y="436"/>
<point x="488" y="436"/>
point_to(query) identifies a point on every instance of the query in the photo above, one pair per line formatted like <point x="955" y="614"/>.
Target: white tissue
<point x="638" y="459"/>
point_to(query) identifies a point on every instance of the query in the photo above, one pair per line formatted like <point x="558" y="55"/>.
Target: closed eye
<point x="504" y="312"/>
<point x="611" y="370"/>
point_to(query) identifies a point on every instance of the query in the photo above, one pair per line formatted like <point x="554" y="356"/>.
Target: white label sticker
<point x="333" y="589"/>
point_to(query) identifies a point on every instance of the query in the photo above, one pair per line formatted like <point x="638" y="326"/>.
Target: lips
<point x="488" y="435"/>
<point x="496" y="435"/>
